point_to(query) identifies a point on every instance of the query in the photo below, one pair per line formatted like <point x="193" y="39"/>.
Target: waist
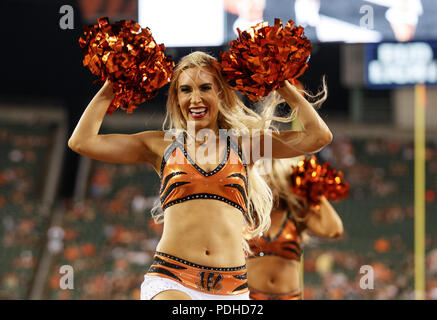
<point x="273" y="274"/>
<point x="224" y="281"/>
<point x="215" y="253"/>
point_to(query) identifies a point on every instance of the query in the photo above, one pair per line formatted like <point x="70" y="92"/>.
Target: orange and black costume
<point x="183" y="180"/>
<point x="223" y="281"/>
<point x="260" y="295"/>
<point x="286" y="244"/>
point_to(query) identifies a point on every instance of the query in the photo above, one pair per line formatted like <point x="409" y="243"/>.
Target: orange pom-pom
<point x="264" y="56"/>
<point x="311" y="180"/>
<point x="129" y="57"/>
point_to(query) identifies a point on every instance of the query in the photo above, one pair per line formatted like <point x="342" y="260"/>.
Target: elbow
<point x="322" y="140"/>
<point x="74" y="145"/>
<point x="338" y="233"/>
<point x="329" y="137"/>
<point x="325" y="138"/>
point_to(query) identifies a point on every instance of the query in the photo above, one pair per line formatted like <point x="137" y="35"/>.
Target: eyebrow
<point x="189" y="86"/>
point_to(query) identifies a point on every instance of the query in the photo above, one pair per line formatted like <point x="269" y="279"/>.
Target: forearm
<point x="327" y="221"/>
<point x="313" y="126"/>
<point x="89" y="124"/>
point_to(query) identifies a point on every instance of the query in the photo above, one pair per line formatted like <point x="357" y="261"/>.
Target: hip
<point x="228" y="281"/>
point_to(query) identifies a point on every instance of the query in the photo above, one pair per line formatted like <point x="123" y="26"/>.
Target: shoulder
<point x="247" y="142"/>
<point x="147" y="135"/>
<point x="155" y="139"/>
<point x="156" y="142"/>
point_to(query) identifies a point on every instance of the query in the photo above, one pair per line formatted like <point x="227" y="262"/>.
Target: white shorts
<point x="152" y="285"/>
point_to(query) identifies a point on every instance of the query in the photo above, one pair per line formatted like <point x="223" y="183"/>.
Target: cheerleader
<point x="209" y="188"/>
<point x="273" y="266"/>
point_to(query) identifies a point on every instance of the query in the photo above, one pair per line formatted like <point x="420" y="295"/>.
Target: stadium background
<point x="57" y="208"/>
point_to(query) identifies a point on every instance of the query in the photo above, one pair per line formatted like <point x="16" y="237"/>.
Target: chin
<point x="200" y="124"/>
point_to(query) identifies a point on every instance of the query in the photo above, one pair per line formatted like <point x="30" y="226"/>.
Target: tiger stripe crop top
<point x="182" y="179"/>
<point x="286" y="244"/>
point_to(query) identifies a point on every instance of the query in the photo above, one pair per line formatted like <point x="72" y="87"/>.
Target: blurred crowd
<point x="378" y="219"/>
<point x="24" y="153"/>
<point x="108" y="238"/>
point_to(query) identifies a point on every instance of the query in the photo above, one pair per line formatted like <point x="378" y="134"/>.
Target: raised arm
<point x="315" y="133"/>
<point x="115" y="148"/>
<point x="325" y="222"/>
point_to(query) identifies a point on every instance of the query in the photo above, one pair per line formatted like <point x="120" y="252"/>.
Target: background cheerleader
<point x="273" y="266"/>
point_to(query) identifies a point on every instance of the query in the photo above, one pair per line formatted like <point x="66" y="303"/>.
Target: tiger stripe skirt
<point x="217" y="281"/>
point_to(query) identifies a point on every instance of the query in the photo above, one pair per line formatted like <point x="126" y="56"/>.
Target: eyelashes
<point x="186" y="89"/>
<point x="206" y="87"/>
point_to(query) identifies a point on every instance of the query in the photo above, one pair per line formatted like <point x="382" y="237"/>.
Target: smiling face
<point x="198" y="98"/>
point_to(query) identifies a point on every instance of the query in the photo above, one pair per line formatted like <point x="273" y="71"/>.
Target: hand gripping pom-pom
<point x="311" y="180"/>
<point x="264" y="56"/>
<point x="129" y="57"/>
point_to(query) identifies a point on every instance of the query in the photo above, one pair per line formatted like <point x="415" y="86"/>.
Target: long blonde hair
<point x="279" y="180"/>
<point x="233" y="115"/>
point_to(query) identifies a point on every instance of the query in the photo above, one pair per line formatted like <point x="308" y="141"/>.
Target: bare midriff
<point x="273" y="274"/>
<point x="205" y="232"/>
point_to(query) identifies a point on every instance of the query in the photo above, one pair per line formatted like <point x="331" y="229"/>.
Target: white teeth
<point x="197" y="111"/>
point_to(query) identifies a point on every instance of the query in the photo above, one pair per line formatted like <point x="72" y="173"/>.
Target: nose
<point x="195" y="97"/>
